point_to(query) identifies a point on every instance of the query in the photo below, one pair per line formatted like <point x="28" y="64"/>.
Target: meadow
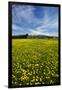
<point x="35" y="62"/>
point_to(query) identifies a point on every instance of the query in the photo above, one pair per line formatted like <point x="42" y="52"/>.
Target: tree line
<point x="26" y="36"/>
<point x="20" y="36"/>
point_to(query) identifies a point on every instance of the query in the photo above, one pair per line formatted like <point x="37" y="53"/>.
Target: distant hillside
<point x="32" y="36"/>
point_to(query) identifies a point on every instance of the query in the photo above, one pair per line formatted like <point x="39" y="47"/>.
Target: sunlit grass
<point x="34" y="61"/>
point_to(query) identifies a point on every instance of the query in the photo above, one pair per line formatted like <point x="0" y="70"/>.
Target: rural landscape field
<point x="35" y="45"/>
<point x="34" y="62"/>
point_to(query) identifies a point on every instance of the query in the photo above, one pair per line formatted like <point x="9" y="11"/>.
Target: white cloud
<point x="15" y="27"/>
<point x="43" y="25"/>
<point x="24" y="12"/>
<point x="43" y="32"/>
<point x="46" y="27"/>
<point x="38" y="32"/>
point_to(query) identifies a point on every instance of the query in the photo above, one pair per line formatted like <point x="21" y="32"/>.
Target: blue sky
<point x="34" y="20"/>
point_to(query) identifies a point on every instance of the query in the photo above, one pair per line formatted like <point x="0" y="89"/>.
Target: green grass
<point x="34" y="61"/>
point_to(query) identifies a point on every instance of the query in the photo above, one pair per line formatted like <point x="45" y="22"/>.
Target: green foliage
<point x="34" y="61"/>
<point x="20" y="36"/>
<point x="27" y="36"/>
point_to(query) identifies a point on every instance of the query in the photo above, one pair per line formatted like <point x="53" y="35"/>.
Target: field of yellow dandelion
<point x="34" y="62"/>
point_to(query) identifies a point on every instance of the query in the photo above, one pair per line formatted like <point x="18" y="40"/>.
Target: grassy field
<point x="34" y="61"/>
